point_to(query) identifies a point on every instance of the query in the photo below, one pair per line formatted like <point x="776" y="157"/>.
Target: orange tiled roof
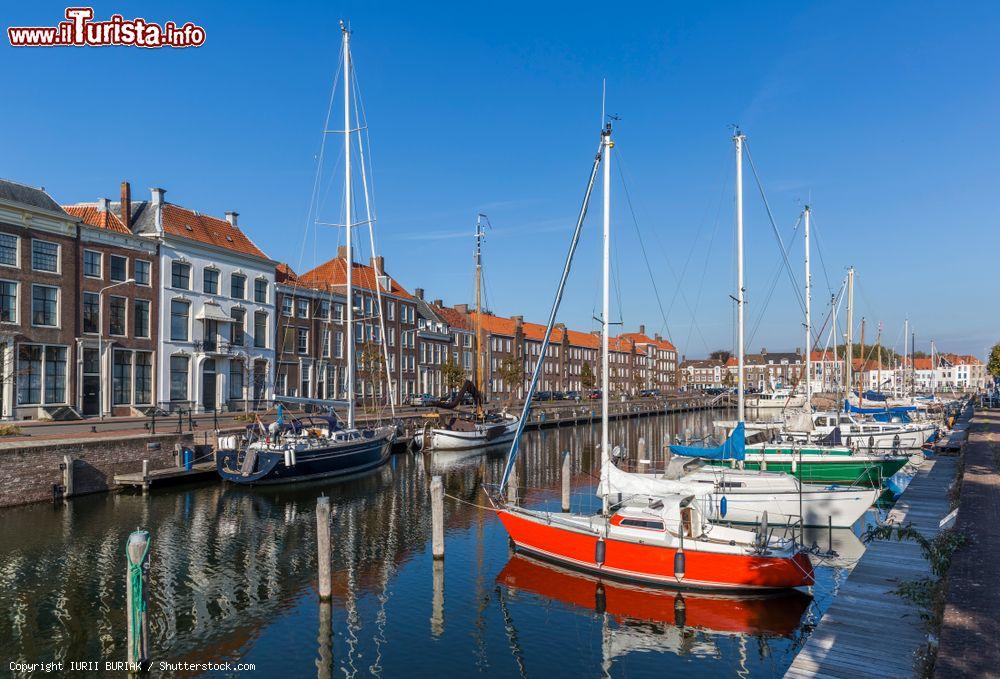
<point x="453" y="317"/>
<point x="284" y="274"/>
<point x="334" y="273"/>
<point x="92" y="216"/>
<point x="179" y="221"/>
<point x="922" y="364"/>
<point x="640" y="338"/>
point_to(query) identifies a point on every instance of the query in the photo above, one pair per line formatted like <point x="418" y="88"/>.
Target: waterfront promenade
<point x="971" y="627"/>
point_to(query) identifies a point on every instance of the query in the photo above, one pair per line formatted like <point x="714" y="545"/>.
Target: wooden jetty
<point x="171" y="475"/>
<point x="869" y="631"/>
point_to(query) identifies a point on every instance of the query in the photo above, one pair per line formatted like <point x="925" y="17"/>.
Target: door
<point x="91" y="383"/>
<point x="208" y="385"/>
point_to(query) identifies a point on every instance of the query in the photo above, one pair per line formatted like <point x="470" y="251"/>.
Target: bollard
<point x="437" y="518"/>
<point x="565" y="481"/>
<point x="323" y="547"/>
<point x="136" y="599"/>
<point x="67" y="476"/>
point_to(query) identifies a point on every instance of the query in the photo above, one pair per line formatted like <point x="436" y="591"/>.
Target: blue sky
<point x="881" y="115"/>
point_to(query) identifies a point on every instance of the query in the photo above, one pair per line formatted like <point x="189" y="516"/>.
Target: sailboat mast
<point x="348" y="225"/>
<point x="906" y="351"/>
<point x="849" y="354"/>
<point x="738" y="139"/>
<point x="808" y="319"/>
<point x="933" y="369"/>
<point x="878" y="348"/>
<point x="480" y="368"/>
<point x="864" y="361"/>
<point x="833" y="307"/>
<point x="606" y="311"/>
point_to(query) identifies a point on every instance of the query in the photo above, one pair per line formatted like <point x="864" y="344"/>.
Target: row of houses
<point x="948" y="372"/>
<point x="111" y="308"/>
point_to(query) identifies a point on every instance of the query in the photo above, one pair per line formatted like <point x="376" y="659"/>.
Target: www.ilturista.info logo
<point x="79" y="30"/>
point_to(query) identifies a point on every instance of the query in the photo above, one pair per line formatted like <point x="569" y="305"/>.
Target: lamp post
<point x="100" y="333"/>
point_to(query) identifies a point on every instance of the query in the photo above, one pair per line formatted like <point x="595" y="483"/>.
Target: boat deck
<point x="869" y="631"/>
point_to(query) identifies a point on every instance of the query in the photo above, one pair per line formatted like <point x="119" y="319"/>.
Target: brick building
<point x="661" y="359"/>
<point x="702" y="374"/>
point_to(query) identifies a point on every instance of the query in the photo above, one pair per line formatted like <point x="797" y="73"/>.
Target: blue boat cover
<point x="831" y="439"/>
<point x="733" y="448"/>
<point x="886" y="416"/>
<point x="875" y="396"/>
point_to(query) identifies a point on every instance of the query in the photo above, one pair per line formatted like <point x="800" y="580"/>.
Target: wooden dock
<point x="162" y="477"/>
<point x="869" y="631"/>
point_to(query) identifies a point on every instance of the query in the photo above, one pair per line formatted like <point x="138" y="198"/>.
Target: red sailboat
<point x="650" y="536"/>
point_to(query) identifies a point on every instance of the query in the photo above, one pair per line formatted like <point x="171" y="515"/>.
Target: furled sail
<point x="733" y="448"/>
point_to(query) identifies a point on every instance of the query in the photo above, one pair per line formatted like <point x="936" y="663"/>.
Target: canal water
<point x="233" y="578"/>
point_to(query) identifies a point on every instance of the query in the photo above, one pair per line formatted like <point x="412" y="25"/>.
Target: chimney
<point x="377" y="263"/>
<point x="126" y="206"/>
<point x="642" y="329"/>
<point x="462" y="308"/>
<point x="341" y="252"/>
<point x="518" y="320"/>
<point x="798" y="350"/>
<point x="157" y="196"/>
<point x="657" y="337"/>
<point x="102" y="204"/>
<point x="232" y="217"/>
<point x="419" y="293"/>
<point x="438" y="302"/>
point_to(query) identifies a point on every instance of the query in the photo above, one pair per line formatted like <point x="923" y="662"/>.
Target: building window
<point x="260" y="329"/>
<point x="303" y="308"/>
<point x="338" y="312"/>
<point x="179" y="312"/>
<point x="29" y="377"/>
<point x="210" y="281"/>
<point x="239" y="325"/>
<point x="119" y="268"/>
<point x="338" y="346"/>
<point x="92" y="264"/>
<point x="121" y="378"/>
<point x="180" y="275"/>
<point x="326" y="343"/>
<point x="286" y="306"/>
<point x="392" y="310"/>
<point x="143" y="377"/>
<point x="8" y="249"/>
<point x="324" y="309"/>
<point x="8" y="302"/>
<point x="178" y="378"/>
<point x="304" y="382"/>
<point x="44" y="305"/>
<point x="260" y="290"/>
<point x="141" y="271"/>
<point x="45" y="256"/>
<point x="116" y="312"/>
<point x="91" y="312"/>
<point x="236" y="379"/>
<point x="141" y="307"/>
<point x="55" y="374"/>
<point x="238" y="286"/>
<point x="302" y="341"/>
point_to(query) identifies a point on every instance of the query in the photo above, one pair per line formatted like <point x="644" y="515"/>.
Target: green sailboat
<point x="815" y="464"/>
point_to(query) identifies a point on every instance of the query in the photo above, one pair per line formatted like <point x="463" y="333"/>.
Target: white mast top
<point x="348" y="225"/>
<point x="808" y="319"/>
<point x="606" y="309"/>
<point x="849" y="353"/>
<point x="738" y="139"/>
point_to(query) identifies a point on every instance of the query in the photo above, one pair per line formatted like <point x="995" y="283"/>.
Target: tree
<point x="994" y="363"/>
<point x="720" y="355"/>
<point x="511" y="371"/>
<point x="587" y="378"/>
<point x="452" y="374"/>
<point x="371" y="366"/>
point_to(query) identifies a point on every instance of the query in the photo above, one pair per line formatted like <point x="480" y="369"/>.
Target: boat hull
<point x="840" y="508"/>
<point x="335" y="461"/>
<point x="446" y="439"/>
<point x="653" y="564"/>
<point x="843" y="469"/>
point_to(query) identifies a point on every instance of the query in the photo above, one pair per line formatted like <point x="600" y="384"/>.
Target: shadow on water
<point x="232" y="577"/>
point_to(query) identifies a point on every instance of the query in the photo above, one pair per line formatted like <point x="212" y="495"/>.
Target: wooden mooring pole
<point x="512" y="485"/>
<point x="437" y="518"/>
<point x="136" y="598"/>
<point x="325" y="585"/>
<point x="565" y="481"/>
<point x="67" y="476"/>
<point x="324" y="665"/>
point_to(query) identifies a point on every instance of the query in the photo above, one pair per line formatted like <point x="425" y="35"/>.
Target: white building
<point x="217" y="314"/>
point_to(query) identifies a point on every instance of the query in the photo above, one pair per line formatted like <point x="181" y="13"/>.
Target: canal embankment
<point x="971" y="626"/>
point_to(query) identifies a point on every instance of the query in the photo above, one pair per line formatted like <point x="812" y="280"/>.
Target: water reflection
<point x="233" y="576"/>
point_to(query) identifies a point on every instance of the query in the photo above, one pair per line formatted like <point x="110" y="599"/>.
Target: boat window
<point x="642" y="523"/>
<point x="820" y="421"/>
<point x="731" y="484"/>
<point x="845" y="420"/>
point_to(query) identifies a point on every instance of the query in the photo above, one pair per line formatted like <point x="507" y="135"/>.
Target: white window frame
<point x="58" y="256"/>
<point x="125" y="300"/>
<point x="17" y="302"/>
<point x="100" y="266"/>
<point x="110" y="257"/>
<point x="58" y="290"/>
<point x="135" y="267"/>
<point x="149" y="316"/>
<point x="17" y="250"/>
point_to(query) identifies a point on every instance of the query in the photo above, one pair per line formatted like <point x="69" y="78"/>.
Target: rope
<point x="471" y="504"/>
<point x="138" y="602"/>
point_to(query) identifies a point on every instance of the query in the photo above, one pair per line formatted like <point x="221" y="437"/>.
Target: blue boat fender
<point x="723" y="506"/>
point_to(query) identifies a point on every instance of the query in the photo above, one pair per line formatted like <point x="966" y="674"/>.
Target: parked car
<point x="422" y="400"/>
<point x="558" y="396"/>
<point x="594" y="394"/>
<point x="649" y="393"/>
<point x="467" y="399"/>
<point x="573" y="395"/>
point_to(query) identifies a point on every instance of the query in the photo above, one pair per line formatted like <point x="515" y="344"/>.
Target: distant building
<point x="702" y="374"/>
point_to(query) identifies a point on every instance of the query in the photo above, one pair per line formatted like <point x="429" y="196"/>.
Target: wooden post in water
<point x="437" y="518"/>
<point x="145" y="476"/>
<point x="136" y="599"/>
<point x="67" y="476"/>
<point x="512" y="485"/>
<point x="437" y="602"/>
<point x="324" y="665"/>
<point x="643" y="462"/>
<point x="565" y="481"/>
<point x="323" y="547"/>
